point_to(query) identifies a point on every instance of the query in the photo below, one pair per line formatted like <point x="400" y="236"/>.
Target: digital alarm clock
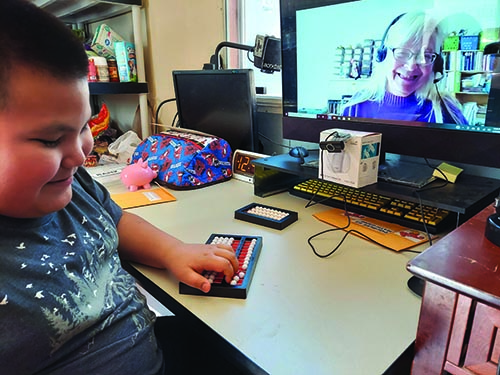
<point x="243" y="169"/>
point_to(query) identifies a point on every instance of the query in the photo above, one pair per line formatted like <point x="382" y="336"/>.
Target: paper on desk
<point x="142" y="197"/>
<point x="391" y="235"/>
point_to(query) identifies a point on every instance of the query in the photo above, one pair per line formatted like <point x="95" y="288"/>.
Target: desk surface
<point x="351" y="313"/>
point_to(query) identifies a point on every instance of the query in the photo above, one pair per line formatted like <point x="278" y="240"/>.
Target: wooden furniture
<point x="81" y="13"/>
<point x="460" y="311"/>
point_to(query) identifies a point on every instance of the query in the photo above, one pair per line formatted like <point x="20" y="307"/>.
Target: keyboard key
<point x="382" y="207"/>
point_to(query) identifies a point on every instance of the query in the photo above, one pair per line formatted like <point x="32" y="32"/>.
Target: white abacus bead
<point x="233" y="282"/>
<point x="241" y="275"/>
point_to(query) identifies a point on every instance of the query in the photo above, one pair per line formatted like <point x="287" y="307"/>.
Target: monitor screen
<point x="423" y="73"/>
<point x="218" y="102"/>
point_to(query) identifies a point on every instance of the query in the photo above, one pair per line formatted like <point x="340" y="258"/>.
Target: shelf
<point x="103" y="88"/>
<point x="84" y="11"/>
<point x="472" y="93"/>
<point x="80" y="13"/>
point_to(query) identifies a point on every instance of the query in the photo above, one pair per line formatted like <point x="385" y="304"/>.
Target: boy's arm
<point x="144" y="243"/>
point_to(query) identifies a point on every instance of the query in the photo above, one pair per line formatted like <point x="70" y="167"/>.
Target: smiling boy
<point x="66" y="304"/>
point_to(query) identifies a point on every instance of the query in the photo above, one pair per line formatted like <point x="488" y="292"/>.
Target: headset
<point x="381" y="54"/>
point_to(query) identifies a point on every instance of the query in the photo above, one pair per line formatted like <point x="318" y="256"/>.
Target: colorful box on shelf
<point x="451" y="43"/>
<point x="126" y="61"/>
<point x="469" y="42"/>
<point x="104" y="41"/>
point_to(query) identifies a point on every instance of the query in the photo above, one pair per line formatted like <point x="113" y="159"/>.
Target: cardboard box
<point x="103" y="42"/>
<point x="355" y="163"/>
<point x="126" y="61"/>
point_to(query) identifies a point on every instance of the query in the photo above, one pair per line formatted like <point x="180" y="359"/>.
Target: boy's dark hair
<point x="32" y="37"/>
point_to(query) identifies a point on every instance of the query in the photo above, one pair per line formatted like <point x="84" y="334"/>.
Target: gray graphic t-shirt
<point x="66" y="304"/>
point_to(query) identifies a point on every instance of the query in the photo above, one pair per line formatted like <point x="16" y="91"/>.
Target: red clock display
<point x="243" y="168"/>
<point x="243" y="164"/>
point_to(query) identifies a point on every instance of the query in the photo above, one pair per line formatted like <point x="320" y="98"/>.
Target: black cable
<point x="173" y="120"/>
<point x="418" y="191"/>
<point x="312" y="202"/>
<point x="353" y="231"/>
<point x="276" y="143"/>
<point x="161" y="105"/>
<point x="249" y="58"/>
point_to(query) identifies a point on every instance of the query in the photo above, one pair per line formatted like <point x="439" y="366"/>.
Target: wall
<point x="180" y="35"/>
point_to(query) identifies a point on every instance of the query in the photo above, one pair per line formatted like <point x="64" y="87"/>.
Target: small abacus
<point x="268" y="216"/>
<point x="247" y="249"/>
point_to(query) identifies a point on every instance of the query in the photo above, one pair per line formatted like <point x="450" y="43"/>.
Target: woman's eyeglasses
<point x="404" y="55"/>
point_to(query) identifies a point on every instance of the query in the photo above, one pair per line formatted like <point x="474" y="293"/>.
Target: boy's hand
<point x="188" y="261"/>
<point x="184" y="261"/>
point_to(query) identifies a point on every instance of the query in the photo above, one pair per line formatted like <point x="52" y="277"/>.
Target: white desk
<point x="351" y="313"/>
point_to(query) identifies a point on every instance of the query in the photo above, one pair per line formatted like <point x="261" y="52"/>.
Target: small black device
<point x="267" y="53"/>
<point x="334" y="142"/>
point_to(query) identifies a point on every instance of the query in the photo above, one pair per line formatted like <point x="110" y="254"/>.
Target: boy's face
<point x="44" y="137"/>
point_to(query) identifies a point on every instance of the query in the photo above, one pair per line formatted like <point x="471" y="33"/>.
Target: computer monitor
<point x="218" y="102"/>
<point x="330" y="51"/>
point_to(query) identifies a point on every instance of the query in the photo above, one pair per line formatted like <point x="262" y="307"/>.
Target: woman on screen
<point x="405" y="80"/>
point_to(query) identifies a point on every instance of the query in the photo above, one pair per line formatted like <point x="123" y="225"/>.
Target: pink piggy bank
<point x="137" y="175"/>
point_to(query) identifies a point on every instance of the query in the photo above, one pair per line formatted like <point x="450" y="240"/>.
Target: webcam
<point x="335" y="142"/>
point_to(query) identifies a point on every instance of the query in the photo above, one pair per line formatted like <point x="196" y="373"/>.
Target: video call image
<point x="418" y="63"/>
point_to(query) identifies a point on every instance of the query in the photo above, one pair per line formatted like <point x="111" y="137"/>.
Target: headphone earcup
<point x="382" y="50"/>
<point x="438" y="67"/>
<point x="381" y="53"/>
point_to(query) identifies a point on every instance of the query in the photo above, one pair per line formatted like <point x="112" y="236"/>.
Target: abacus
<point x="268" y="216"/>
<point x="247" y="249"/>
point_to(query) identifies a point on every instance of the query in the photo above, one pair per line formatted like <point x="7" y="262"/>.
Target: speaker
<point x="381" y="54"/>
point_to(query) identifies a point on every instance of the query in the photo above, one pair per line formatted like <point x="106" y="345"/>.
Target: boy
<point x="66" y="305"/>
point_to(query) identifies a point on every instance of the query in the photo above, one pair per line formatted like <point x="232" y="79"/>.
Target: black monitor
<point x="330" y="51"/>
<point x="218" y="102"/>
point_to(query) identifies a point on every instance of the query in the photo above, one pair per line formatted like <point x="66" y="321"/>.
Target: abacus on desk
<point x="247" y="249"/>
<point x="268" y="216"/>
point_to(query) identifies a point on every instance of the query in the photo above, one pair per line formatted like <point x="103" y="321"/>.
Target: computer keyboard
<point x="405" y="213"/>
